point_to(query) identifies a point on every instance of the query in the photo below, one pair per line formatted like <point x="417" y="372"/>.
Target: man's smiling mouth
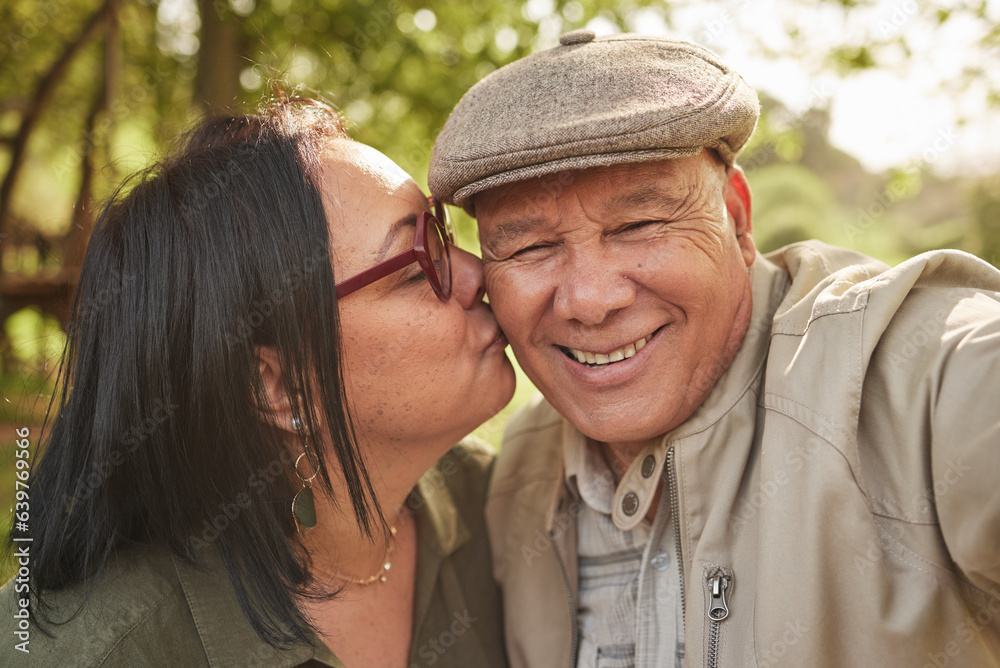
<point x="593" y="360"/>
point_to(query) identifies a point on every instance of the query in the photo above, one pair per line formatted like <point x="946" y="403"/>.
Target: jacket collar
<point x="227" y="637"/>
<point x="442" y="529"/>
<point x="769" y="284"/>
<point x="440" y="532"/>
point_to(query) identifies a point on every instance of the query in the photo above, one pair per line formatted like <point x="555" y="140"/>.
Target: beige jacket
<point x="842" y="478"/>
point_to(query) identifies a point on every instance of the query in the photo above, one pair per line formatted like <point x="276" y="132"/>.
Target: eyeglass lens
<point x="440" y="258"/>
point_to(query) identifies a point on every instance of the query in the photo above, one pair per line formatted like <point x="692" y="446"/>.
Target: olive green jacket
<point x="154" y="610"/>
<point x="842" y="478"/>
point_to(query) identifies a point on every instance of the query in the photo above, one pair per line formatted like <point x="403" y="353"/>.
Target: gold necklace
<point x="381" y="576"/>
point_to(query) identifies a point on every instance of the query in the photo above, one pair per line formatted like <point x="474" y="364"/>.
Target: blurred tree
<point x="90" y="90"/>
<point x="986" y="209"/>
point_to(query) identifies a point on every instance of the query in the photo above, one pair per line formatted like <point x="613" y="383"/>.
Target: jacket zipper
<point x="572" y="603"/>
<point x="717" y="612"/>
<point x="675" y="516"/>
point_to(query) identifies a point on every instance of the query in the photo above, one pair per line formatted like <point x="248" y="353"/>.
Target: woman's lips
<point x="499" y="340"/>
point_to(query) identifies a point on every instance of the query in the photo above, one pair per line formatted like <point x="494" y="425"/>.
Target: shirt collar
<point x="586" y="472"/>
<point x="590" y="477"/>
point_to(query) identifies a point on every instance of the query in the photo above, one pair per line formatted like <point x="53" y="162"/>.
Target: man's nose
<point x="467" y="283"/>
<point x="590" y="288"/>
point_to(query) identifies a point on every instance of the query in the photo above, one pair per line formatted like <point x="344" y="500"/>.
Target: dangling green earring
<point x="304" y="505"/>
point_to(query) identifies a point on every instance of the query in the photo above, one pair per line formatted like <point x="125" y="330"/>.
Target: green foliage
<point x="395" y="67"/>
<point x="35" y="340"/>
<point x="986" y="211"/>
<point x="849" y="58"/>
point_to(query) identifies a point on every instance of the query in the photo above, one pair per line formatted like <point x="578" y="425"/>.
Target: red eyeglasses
<point x="430" y="251"/>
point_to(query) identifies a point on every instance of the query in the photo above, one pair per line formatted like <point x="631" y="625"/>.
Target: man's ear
<point x="738" y="203"/>
<point x="278" y="409"/>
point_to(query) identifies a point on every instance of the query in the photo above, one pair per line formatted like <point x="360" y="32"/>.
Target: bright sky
<point x="912" y="111"/>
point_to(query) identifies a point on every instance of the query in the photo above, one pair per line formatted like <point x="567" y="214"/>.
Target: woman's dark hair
<point x="159" y="436"/>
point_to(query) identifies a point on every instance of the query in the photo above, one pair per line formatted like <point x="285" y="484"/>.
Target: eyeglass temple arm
<point x="377" y="272"/>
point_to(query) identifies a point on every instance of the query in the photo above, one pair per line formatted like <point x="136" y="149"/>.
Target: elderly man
<point x="739" y="460"/>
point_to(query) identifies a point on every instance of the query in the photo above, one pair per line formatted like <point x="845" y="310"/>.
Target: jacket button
<point x="648" y="464"/>
<point x="630" y="504"/>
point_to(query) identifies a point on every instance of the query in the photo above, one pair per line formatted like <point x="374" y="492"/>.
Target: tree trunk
<point x="220" y="58"/>
<point x="43" y="93"/>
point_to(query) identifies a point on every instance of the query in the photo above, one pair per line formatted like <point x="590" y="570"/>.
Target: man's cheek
<point x="490" y="280"/>
<point x="507" y="299"/>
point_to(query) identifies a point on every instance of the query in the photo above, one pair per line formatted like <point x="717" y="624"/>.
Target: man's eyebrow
<point x="645" y="196"/>
<point x="390" y="236"/>
<point x="511" y="230"/>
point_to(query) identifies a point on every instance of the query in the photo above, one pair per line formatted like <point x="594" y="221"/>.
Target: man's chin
<point x="609" y="426"/>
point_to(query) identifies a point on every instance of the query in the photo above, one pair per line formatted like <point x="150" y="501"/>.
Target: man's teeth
<point x="599" y="359"/>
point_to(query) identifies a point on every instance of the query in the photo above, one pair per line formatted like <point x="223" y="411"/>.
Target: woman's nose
<point x="467" y="283"/>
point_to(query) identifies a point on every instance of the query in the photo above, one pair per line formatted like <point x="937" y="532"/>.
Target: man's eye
<point x="528" y="250"/>
<point x="632" y="227"/>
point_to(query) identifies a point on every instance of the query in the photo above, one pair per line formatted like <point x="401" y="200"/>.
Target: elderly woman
<point x="273" y="341"/>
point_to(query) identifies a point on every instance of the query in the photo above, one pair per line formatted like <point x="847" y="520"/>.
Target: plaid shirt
<point x="629" y="612"/>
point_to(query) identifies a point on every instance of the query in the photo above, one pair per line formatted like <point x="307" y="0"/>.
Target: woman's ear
<point x="738" y="203"/>
<point x="278" y="407"/>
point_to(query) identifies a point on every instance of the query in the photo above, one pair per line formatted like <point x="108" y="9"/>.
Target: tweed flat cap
<point x="591" y="102"/>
